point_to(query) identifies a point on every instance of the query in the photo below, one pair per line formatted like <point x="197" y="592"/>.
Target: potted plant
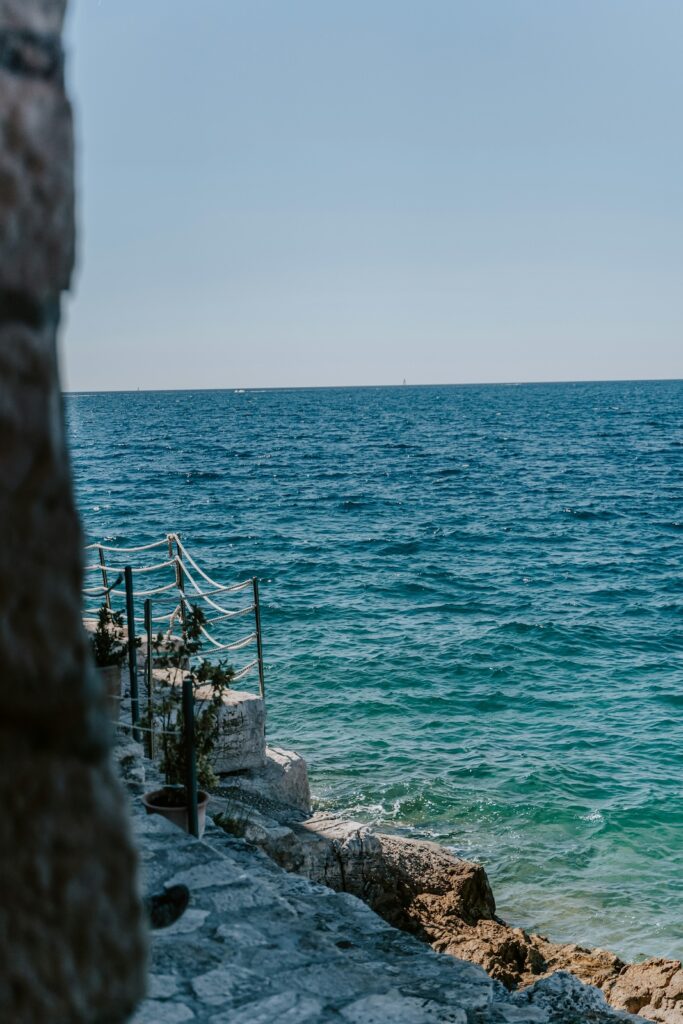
<point x="209" y="681"/>
<point x="110" y="649"/>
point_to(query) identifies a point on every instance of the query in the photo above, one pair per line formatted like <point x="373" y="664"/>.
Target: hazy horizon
<point x="301" y="195"/>
<point x="332" y="387"/>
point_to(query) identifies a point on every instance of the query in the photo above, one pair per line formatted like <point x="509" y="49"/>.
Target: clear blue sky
<point x="303" y="192"/>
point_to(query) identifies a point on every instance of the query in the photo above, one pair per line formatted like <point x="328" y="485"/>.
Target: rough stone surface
<point x="653" y="989"/>
<point x="258" y="945"/>
<point x="563" y="999"/>
<point x="242" y="743"/>
<point x="278" y="788"/>
<point x="36" y="168"/>
<point x="72" y="943"/>
<point x="423" y="889"/>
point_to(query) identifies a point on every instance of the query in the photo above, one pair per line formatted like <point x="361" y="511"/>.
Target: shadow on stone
<point x="164" y="908"/>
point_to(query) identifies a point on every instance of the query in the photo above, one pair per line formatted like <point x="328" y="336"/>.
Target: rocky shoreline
<point x="426" y="891"/>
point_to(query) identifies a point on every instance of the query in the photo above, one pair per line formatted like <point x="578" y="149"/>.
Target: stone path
<point x="259" y="946"/>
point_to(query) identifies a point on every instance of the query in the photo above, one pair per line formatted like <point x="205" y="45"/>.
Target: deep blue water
<point x="473" y="612"/>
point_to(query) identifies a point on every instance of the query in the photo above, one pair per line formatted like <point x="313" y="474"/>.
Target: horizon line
<point x="346" y="387"/>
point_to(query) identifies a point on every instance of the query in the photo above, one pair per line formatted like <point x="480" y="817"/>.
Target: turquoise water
<point x="473" y="612"/>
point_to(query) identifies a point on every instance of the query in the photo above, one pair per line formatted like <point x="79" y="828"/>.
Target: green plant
<point x="209" y="681"/>
<point x="109" y="643"/>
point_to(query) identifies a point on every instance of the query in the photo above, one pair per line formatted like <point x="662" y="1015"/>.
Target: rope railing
<point x="174" y="538"/>
<point x="127" y="551"/>
<point x="231" y="615"/>
<point x="237" y="645"/>
<point x="189" y="588"/>
<point x="200" y="595"/>
<point x="232" y="589"/>
<point x="186" y="591"/>
<point x="155" y="590"/>
<point x="136" y="570"/>
<point x="245" y="671"/>
<point x="96" y="590"/>
<point x="161" y="618"/>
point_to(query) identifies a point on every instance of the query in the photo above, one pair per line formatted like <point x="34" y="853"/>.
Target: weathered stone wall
<point x="71" y="940"/>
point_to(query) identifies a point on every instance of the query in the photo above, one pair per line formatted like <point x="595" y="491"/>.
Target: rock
<point x="423" y="889"/>
<point x="505" y="953"/>
<point x="285" y="779"/>
<point x="593" y="966"/>
<point x="242" y="742"/>
<point x="653" y="989"/>
<point x="36" y="155"/>
<point x="410" y="883"/>
<point x="279" y="788"/>
<point x="429" y="883"/>
<point x="130" y="766"/>
<point x="564" y="1000"/>
<point x="72" y="936"/>
<point x="268" y="947"/>
<point x="37" y="16"/>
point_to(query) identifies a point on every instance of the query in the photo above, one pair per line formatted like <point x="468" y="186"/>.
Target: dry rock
<point x="242" y="743"/>
<point x="653" y="989"/>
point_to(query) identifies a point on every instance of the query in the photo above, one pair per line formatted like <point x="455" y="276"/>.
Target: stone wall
<point x="72" y="944"/>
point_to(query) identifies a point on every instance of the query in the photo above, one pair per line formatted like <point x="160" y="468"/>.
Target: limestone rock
<point x="653" y="989"/>
<point x="285" y="779"/>
<point x="279" y="788"/>
<point x="259" y="945"/>
<point x="242" y="741"/>
<point x="423" y="889"/>
<point x="564" y="1000"/>
<point x="406" y="881"/>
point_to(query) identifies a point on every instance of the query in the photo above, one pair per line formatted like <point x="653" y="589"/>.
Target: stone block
<point x="276" y="788"/>
<point x="242" y="742"/>
<point x="283" y="1008"/>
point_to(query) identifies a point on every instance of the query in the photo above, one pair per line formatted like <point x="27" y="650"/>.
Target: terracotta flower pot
<point x="111" y="685"/>
<point x="158" y="802"/>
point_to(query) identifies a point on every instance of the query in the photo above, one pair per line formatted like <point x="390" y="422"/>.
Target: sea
<point x="472" y="610"/>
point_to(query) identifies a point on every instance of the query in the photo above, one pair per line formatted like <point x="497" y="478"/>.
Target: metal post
<point x="180" y="580"/>
<point x="190" y="764"/>
<point x="150" y="680"/>
<point x="105" y="580"/>
<point x="132" y="650"/>
<point x="259" y="642"/>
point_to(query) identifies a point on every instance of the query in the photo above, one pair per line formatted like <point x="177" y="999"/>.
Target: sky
<point x="280" y="193"/>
